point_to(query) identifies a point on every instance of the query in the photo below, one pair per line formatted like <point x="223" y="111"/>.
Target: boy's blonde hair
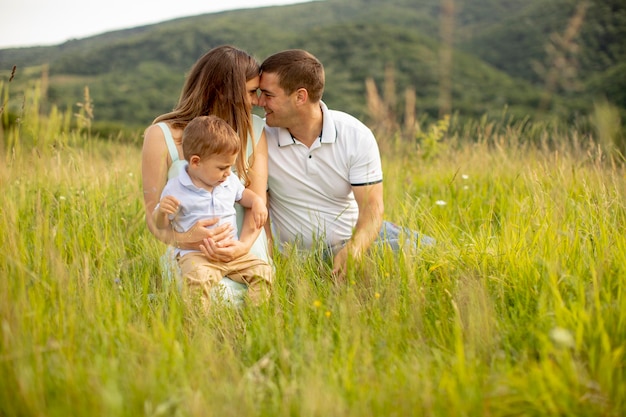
<point x="206" y="136"/>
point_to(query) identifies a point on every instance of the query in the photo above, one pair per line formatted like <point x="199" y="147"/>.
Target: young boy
<point x="205" y="189"/>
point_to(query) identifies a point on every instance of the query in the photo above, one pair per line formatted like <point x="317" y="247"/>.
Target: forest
<point x="547" y="60"/>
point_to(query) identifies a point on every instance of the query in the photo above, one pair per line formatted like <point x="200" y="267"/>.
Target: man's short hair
<point x="297" y="68"/>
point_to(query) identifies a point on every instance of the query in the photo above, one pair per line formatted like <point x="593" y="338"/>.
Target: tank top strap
<point x="169" y="141"/>
<point x="257" y="128"/>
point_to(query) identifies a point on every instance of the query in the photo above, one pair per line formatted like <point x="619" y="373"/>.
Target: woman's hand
<point x="194" y="238"/>
<point x="224" y="250"/>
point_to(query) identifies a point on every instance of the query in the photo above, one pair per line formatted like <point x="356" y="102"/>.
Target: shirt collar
<point x="185" y="179"/>
<point x="329" y="131"/>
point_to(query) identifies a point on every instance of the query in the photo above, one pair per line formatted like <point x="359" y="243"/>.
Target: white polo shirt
<point x="199" y="204"/>
<point x="310" y="189"/>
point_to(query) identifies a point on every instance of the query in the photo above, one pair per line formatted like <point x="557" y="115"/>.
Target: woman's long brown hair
<point x="216" y="85"/>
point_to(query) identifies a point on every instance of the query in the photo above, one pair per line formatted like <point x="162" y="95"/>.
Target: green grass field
<point x="519" y="310"/>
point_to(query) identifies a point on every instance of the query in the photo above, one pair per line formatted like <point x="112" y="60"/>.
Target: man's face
<point x="279" y="107"/>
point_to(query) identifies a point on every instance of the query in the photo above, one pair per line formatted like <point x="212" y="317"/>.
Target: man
<point x="325" y="175"/>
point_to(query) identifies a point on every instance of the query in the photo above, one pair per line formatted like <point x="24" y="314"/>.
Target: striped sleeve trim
<point x="367" y="183"/>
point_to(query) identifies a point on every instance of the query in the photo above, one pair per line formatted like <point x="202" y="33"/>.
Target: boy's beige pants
<point x="200" y="275"/>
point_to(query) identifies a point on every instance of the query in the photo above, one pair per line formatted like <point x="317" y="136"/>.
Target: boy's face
<point x="212" y="171"/>
<point x="279" y="107"/>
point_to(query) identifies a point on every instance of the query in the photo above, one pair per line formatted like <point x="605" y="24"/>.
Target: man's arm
<point x="369" y="199"/>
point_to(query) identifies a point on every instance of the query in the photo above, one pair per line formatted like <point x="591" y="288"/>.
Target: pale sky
<point x="51" y="22"/>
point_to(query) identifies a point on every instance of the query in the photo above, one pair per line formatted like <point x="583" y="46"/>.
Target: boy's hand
<point x="259" y="212"/>
<point x="169" y="205"/>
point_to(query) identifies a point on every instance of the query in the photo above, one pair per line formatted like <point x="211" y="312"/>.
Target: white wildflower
<point x="562" y="337"/>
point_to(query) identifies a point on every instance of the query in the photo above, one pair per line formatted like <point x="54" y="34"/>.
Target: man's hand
<point x="340" y="265"/>
<point x="348" y="255"/>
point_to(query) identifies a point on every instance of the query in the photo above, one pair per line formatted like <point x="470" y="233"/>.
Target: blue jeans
<point x="391" y="234"/>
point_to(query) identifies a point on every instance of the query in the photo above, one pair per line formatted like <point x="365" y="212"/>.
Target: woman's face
<point x="252" y="88"/>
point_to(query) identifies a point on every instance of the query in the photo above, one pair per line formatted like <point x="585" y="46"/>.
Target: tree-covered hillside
<point x="584" y="41"/>
<point x="500" y="48"/>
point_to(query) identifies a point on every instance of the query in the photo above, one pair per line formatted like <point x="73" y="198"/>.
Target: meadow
<point x="518" y="310"/>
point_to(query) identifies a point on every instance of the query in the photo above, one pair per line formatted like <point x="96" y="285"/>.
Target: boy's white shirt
<point x="199" y="204"/>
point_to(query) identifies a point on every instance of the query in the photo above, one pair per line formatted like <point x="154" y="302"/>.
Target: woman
<point x="224" y="83"/>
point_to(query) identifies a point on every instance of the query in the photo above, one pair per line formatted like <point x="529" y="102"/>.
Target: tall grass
<point x="518" y="310"/>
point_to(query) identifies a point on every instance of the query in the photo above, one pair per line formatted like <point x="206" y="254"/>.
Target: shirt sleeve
<point x="366" y="168"/>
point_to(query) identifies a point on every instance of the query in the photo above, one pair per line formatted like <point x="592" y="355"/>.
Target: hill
<point x="135" y="74"/>
<point x="585" y="41"/>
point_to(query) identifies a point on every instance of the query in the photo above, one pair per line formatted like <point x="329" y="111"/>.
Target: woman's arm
<point x="258" y="183"/>
<point x="154" y="167"/>
<point x="268" y="228"/>
<point x="155" y="163"/>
